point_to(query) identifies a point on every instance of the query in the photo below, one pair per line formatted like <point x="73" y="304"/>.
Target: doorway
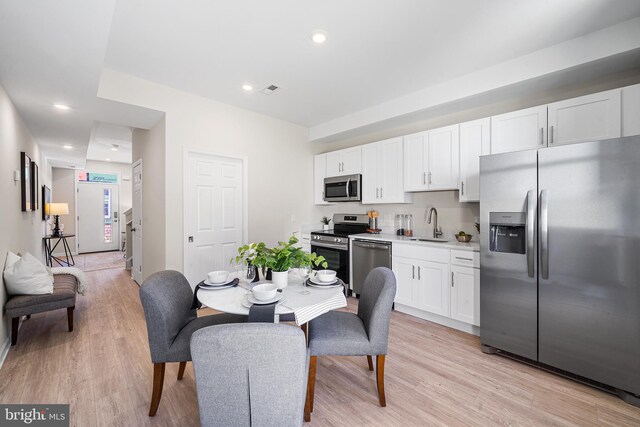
<point x="98" y="222"/>
<point x="215" y="212"/>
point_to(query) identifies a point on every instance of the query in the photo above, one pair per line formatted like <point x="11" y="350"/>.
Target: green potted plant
<point x="278" y="259"/>
<point x="325" y="222"/>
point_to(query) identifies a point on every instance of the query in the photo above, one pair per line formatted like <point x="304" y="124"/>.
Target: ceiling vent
<point x="270" y="89"/>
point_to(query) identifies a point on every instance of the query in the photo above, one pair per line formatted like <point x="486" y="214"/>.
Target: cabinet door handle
<point x="377" y="190"/>
<point x="413" y="271"/>
<point x="541" y="136"/>
<point x="466" y="259"/>
<point x="462" y="189"/>
<point x="452" y="279"/>
<point x="418" y="272"/>
<point x="551" y="136"/>
<point x="424" y="178"/>
<point x="381" y="192"/>
<point x="429" y="177"/>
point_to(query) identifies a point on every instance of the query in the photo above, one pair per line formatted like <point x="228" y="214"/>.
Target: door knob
<point x="190" y="239"/>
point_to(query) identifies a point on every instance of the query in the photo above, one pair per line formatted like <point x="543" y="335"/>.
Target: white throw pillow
<point x="26" y="276"/>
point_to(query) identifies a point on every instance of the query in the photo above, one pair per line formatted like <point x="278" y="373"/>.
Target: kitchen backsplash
<point x="453" y="216"/>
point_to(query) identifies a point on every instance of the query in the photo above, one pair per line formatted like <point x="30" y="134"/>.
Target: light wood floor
<point x="434" y="375"/>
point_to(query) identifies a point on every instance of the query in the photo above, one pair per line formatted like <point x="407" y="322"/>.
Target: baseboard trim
<point x="4" y="351"/>
<point x="436" y="318"/>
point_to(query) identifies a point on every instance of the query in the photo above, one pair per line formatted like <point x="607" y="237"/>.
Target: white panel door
<point x="136" y="225"/>
<point x="319" y="174"/>
<point x="432" y="290"/>
<point x="370" y="173"/>
<point x="415" y="166"/>
<point x="474" y="142"/>
<point x="98" y="222"/>
<point x="519" y="130"/>
<point x="214" y="224"/>
<point x="405" y="272"/>
<point x="465" y="294"/>
<point x="587" y="118"/>
<point x="443" y="158"/>
<point x="631" y="110"/>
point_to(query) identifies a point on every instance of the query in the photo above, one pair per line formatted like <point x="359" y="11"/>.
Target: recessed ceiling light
<point x="114" y="147"/>
<point x="319" y="36"/>
<point x="61" y="106"/>
<point x="108" y="160"/>
<point x="247" y="87"/>
<point x="67" y="146"/>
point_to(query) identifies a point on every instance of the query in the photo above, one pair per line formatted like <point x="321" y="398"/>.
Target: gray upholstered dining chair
<point x="166" y="298"/>
<point x="366" y="333"/>
<point x="257" y="377"/>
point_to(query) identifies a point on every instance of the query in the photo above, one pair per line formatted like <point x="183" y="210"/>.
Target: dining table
<point x="304" y="301"/>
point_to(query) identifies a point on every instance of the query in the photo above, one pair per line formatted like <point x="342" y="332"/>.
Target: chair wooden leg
<point x="311" y="385"/>
<point x="15" y="322"/>
<point x="304" y="329"/>
<point x="370" y="361"/>
<point x="380" y="378"/>
<point x="181" y="370"/>
<point x="70" y="318"/>
<point x="158" y="382"/>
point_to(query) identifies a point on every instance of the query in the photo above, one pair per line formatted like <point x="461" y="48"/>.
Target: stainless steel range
<point x="334" y="244"/>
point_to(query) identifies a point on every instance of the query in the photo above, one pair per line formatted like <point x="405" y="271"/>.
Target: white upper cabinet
<point x="443" y="158"/>
<point x="431" y="160"/>
<point x="382" y="172"/>
<point x="344" y="162"/>
<point x="415" y="152"/>
<point x="587" y="118"/>
<point x="474" y="142"/>
<point x="631" y="110"/>
<point x="319" y="174"/>
<point x="519" y="130"/>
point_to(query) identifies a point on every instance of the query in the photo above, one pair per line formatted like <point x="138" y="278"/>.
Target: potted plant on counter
<point x="279" y="259"/>
<point x="325" y="223"/>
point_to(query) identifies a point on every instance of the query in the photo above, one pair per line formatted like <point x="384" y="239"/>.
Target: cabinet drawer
<point x="465" y="258"/>
<point x="416" y="251"/>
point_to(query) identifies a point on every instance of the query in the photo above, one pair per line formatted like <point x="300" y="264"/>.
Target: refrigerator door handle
<point x="530" y="232"/>
<point x="544" y="235"/>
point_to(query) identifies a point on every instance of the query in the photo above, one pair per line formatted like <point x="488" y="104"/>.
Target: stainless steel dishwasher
<point x="367" y="255"/>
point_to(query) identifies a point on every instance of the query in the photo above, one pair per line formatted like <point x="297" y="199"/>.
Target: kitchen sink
<point x="424" y="239"/>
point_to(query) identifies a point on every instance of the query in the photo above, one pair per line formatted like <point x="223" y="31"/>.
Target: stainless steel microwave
<point x="347" y="188"/>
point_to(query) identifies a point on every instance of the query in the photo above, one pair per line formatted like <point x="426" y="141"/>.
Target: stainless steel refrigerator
<point x="560" y="259"/>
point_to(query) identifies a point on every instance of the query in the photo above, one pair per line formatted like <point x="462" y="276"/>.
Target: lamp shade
<point x="58" y="209"/>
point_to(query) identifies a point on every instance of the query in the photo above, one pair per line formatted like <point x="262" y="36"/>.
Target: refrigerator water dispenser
<point x="507" y="232"/>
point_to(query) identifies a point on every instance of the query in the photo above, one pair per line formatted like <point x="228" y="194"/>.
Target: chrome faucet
<point x="436" y="232"/>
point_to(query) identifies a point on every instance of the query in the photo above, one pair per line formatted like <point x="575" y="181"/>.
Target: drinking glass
<point x="304" y="272"/>
<point x="249" y="273"/>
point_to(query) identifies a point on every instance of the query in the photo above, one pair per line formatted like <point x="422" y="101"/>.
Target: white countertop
<point x="472" y="246"/>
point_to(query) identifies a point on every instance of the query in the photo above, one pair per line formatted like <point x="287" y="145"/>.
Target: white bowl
<point x="219" y="276"/>
<point x="326" y="276"/>
<point x="265" y="291"/>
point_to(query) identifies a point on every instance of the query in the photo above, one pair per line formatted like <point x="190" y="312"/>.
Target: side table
<point x="68" y="256"/>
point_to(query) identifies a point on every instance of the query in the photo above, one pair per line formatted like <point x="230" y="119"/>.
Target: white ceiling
<point x="111" y="143"/>
<point x="375" y="51"/>
<point x="54" y="52"/>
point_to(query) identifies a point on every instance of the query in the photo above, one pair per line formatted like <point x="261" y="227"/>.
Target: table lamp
<point x="57" y="209"/>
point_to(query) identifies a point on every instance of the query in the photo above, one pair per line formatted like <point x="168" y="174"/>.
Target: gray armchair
<point x="339" y="333"/>
<point x="166" y="298"/>
<point x="257" y="377"/>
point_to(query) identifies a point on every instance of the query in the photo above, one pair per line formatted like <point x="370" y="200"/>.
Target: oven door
<point x="337" y="259"/>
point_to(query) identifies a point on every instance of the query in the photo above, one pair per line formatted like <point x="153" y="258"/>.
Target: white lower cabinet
<point x="430" y="285"/>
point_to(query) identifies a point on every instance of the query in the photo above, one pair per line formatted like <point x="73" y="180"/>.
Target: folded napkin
<point x="308" y="307"/>
<point x="262" y="313"/>
<point x="196" y="302"/>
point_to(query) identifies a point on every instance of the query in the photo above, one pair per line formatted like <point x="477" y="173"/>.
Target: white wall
<point x="21" y="231"/>
<point x="280" y="160"/>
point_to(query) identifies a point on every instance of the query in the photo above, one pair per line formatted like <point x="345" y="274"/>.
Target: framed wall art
<point x="46" y="199"/>
<point x="34" y="186"/>
<point x="25" y="181"/>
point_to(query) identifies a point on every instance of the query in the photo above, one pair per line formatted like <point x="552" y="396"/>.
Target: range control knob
<point x="337" y="240"/>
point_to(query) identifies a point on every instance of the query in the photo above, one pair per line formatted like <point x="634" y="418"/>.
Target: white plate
<point x="317" y="281"/>
<point x="338" y="285"/>
<point x="215" y="285"/>
<point x="254" y="300"/>
<point x="248" y="303"/>
<point x="216" y="288"/>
